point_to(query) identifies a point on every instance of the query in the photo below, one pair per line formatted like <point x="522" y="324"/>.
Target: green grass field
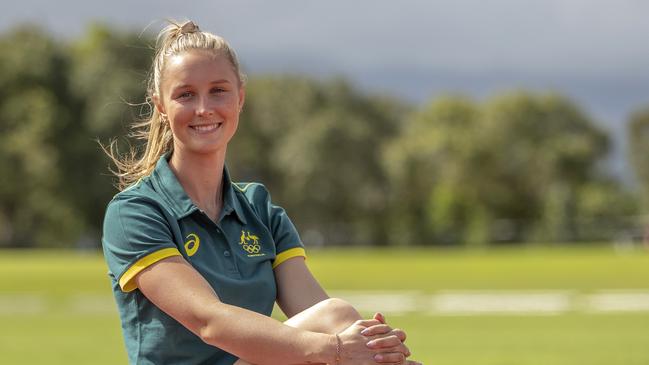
<point x="56" y="306"/>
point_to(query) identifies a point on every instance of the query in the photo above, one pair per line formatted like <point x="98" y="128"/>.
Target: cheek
<point x="224" y="106"/>
<point x="231" y="104"/>
<point x="180" y="114"/>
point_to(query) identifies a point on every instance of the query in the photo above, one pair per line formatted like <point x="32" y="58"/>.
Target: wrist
<point x="339" y="349"/>
<point x="330" y="350"/>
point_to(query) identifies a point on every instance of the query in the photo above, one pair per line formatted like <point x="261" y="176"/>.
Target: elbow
<point x="208" y="325"/>
<point x="209" y="333"/>
<point x="211" y="324"/>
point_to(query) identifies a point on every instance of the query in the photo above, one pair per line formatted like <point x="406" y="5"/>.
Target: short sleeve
<point x="287" y="240"/>
<point x="136" y="234"/>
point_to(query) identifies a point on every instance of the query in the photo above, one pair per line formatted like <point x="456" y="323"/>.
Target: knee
<point x="328" y="316"/>
<point x="339" y="311"/>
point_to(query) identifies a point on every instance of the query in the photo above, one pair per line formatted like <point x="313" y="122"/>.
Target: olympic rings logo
<point x="249" y="242"/>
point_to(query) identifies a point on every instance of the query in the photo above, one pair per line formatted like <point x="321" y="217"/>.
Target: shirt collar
<point x="230" y="200"/>
<point x="178" y="200"/>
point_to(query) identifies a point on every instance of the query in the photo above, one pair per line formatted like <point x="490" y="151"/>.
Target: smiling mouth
<point x="206" y="128"/>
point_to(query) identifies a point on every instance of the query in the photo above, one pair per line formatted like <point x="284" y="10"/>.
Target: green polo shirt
<point x="155" y="219"/>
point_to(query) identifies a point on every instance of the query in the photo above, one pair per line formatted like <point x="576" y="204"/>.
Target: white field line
<point x="381" y="301"/>
<point x="22" y="304"/>
<point x="617" y="302"/>
<point x="497" y="302"/>
<point x="92" y="304"/>
<point x="481" y="303"/>
<point x="443" y="303"/>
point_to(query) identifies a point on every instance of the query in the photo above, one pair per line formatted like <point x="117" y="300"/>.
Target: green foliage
<point x="349" y="167"/>
<point x="56" y="101"/>
<point x="638" y="135"/>
<point x="426" y="165"/>
<point x="108" y="78"/>
<point x="547" y="150"/>
<point x="509" y="170"/>
<point x="317" y="145"/>
<point x="34" y="110"/>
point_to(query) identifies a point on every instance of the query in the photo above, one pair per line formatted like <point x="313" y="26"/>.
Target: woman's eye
<point x="183" y="95"/>
<point x="217" y="90"/>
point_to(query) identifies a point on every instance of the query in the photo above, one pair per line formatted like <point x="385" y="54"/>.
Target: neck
<point x="202" y="178"/>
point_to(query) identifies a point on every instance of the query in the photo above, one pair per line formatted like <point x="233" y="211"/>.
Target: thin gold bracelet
<point x="339" y="347"/>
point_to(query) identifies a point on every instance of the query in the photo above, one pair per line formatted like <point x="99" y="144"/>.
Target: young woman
<point x="197" y="261"/>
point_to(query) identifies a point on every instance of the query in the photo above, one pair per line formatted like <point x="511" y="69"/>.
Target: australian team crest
<point x="250" y="243"/>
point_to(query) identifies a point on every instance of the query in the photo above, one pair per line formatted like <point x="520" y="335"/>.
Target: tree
<point x="318" y="148"/>
<point x="427" y="163"/>
<point x="34" y="110"/>
<point x="56" y="102"/>
<point x="638" y="135"/>
<point x="509" y="170"/>
<point x="108" y="78"/>
<point x="548" y="149"/>
<point x="349" y="167"/>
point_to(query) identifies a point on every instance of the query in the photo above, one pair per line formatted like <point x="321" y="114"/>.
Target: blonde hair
<point x="155" y="131"/>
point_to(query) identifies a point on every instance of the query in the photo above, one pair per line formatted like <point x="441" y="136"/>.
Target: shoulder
<point x="253" y="192"/>
<point x="140" y="193"/>
<point x="255" y="197"/>
<point x="141" y="188"/>
<point x="139" y="201"/>
<point x="134" y="222"/>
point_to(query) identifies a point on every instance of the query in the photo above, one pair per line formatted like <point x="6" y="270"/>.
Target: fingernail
<point x="371" y="343"/>
<point x="365" y="331"/>
<point x="378" y="357"/>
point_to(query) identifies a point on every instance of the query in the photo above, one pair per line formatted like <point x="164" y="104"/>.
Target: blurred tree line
<point x="349" y="167"/>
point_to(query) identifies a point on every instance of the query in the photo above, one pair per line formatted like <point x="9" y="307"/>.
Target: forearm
<point x="180" y="291"/>
<point x="262" y="340"/>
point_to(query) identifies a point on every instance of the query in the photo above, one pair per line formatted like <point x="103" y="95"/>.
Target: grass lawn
<point x="56" y="306"/>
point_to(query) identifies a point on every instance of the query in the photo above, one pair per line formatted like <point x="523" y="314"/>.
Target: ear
<point x="242" y="97"/>
<point x="158" y="104"/>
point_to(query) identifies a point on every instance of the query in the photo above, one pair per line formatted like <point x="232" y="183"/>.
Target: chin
<point x="209" y="150"/>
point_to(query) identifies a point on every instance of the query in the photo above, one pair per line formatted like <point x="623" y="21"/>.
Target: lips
<point x="206" y="128"/>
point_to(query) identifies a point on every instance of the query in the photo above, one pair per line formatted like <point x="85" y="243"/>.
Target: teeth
<point x="206" y="127"/>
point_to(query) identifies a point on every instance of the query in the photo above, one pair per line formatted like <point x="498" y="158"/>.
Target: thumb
<point x="379" y="317"/>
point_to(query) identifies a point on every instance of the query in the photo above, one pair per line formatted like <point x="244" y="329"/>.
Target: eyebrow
<point x="221" y="81"/>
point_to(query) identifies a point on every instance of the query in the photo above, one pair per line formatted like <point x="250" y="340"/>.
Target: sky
<point x="593" y="51"/>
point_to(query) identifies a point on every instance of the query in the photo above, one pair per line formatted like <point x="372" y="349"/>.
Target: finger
<point x="367" y="322"/>
<point x="400" y="348"/>
<point x="390" y="358"/>
<point x="399" y="333"/>
<point x="379" y="329"/>
<point x="385" y="342"/>
<point x="379" y="317"/>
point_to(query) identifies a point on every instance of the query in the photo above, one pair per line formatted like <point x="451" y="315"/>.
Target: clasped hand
<point x="368" y="342"/>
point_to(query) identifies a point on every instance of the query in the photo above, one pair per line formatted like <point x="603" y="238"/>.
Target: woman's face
<point x="201" y="97"/>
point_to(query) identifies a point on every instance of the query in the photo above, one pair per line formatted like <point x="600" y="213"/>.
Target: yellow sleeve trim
<point x="288" y="254"/>
<point x="127" y="283"/>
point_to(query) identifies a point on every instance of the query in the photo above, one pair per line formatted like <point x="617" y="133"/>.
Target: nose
<point x="204" y="109"/>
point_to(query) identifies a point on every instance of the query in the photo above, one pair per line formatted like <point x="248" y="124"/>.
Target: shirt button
<point x="226" y="253"/>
